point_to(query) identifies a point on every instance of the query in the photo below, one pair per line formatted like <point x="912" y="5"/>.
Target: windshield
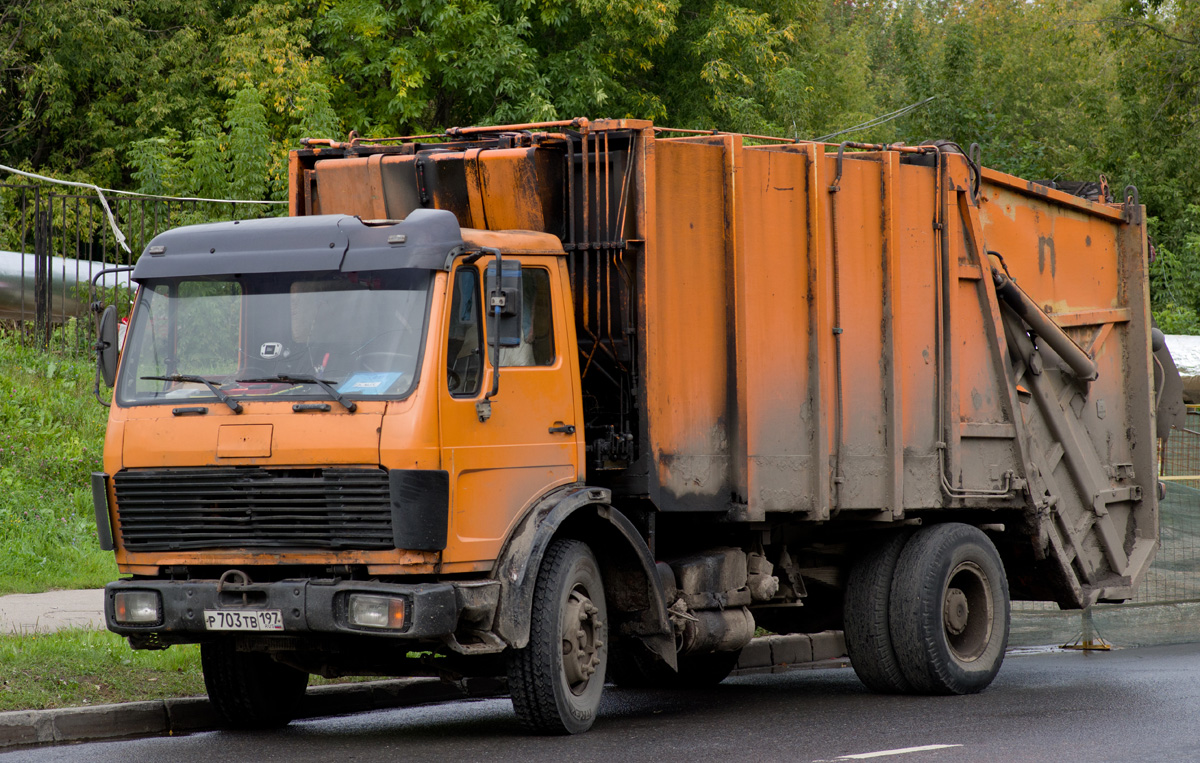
<point x="256" y="336"/>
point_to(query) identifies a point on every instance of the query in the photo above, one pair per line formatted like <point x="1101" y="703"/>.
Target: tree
<point x="205" y="97"/>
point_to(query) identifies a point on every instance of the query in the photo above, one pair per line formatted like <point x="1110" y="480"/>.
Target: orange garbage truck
<point x="592" y="401"/>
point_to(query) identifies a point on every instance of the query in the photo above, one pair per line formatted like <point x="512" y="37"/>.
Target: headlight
<point x="137" y="608"/>
<point x="376" y="611"/>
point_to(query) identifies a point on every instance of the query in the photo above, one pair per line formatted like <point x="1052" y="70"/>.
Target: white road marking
<point x="898" y="751"/>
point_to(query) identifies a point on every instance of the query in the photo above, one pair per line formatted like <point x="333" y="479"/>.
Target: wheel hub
<point x="581" y="640"/>
<point x="968" y="611"/>
<point x="956" y="611"/>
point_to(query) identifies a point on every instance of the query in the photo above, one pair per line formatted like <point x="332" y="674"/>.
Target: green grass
<point x="80" y="667"/>
<point x="51" y="439"/>
<point x="76" y="668"/>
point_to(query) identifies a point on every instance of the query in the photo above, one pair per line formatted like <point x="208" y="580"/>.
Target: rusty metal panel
<point x="1092" y="441"/>
<point x="399" y="179"/>
<point x="982" y="430"/>
<point x="350" y="187"/>
<point x="774" y="301"/>
<point x="515" y="189"/>
<point x="687" y="330"/>
<point x="916" y="334"/>
<point x="858" y="300"/>
<point x="1066" y="257"/>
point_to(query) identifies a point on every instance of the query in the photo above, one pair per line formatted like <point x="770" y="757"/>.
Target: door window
<point x="464" y="347"/>
<point x="537" y="333"/>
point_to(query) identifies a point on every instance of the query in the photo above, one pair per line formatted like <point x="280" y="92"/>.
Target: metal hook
<point x="837" y="176"/>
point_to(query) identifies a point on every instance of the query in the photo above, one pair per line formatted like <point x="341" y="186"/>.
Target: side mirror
<point x="507" y="297"/>
<point x="106" y="345"/>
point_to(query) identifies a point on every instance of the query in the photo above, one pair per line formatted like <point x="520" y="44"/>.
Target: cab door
<point x="532" y="441"/>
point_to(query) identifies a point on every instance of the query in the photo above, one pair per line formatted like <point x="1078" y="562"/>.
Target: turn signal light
<point x="376" y="611"/>
<point x="136" y="607"/>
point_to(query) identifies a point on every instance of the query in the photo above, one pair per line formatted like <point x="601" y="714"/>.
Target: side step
<point x="775" y="654"/>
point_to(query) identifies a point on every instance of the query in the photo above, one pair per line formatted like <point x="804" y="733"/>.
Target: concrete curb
<point x="776" y="654"/>
<point x="78" y="724"/>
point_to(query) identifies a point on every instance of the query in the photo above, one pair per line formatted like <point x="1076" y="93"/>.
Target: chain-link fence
<point x="52" y="245"/>
<point x="1166" y="607"/>
<point x="1175" y="575"/>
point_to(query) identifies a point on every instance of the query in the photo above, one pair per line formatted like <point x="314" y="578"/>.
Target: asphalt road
<point x="1126" y="705"/>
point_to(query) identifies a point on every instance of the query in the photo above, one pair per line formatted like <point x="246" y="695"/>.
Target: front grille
<point x="177" y="509"/>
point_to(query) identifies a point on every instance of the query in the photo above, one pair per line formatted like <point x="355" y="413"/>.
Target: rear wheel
<point x="867" y="627"/>
<point x="557" y="679"/>
<point x="249" y="690"/>
<point x="949" y="610"/>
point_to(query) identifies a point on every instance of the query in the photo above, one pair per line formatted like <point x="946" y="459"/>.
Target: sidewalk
<point x="22" y="613"/>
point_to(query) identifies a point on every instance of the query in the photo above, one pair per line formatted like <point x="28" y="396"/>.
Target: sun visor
<point x="292" y="244"/>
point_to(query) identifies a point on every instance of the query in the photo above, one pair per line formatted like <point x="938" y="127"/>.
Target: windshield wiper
<point x="350" y="406"/>
<point x="234" y="405"/>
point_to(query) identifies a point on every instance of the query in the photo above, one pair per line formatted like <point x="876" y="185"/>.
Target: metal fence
<point x="1175" y="576"/>
<point x="52" y="244"/>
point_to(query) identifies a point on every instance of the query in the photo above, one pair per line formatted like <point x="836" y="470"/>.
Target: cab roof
<point x="424" y="240"/>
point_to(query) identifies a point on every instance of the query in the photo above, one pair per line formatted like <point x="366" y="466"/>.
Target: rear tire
<point x="556" y="681"/>
<point x="949" y="610"/>
<point x="249" y="690"/>
<point x="867" y="624"/>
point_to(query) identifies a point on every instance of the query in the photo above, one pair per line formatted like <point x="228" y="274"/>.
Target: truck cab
<point x="312" y="419"/>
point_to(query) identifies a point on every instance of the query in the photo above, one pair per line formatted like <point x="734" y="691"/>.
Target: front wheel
<point x="556" y="680"/>
<point x="949" y="610"/>
<point x="249" y="690"/>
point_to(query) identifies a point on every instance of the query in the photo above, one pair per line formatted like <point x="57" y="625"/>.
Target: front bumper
<point x="307" y="607"/>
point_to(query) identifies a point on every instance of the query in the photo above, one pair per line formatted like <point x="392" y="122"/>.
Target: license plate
<point x="230" y="620"/>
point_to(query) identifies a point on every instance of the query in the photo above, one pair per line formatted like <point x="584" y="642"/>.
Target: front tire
<point x="249" y="690"/>
<point x="556" y="680"/>
<point x="949" y="610"/>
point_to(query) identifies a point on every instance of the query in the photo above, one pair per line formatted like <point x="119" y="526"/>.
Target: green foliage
<point x="205" y="97"/>
<point x="51" y="439"/>
<point x="207" y="173"/>
<point x="83" y="79"/>
<point x="249" y="144"/>
<point x="158" y="169"/>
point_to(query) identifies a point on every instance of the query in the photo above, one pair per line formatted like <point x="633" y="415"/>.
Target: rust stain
<point x="1046" y="245"/>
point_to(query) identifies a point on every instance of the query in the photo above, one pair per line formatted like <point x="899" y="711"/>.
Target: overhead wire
<point x="876" y="121"/>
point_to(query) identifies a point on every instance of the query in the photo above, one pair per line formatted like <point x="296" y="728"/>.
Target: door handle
<point x="563" y="429"/>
